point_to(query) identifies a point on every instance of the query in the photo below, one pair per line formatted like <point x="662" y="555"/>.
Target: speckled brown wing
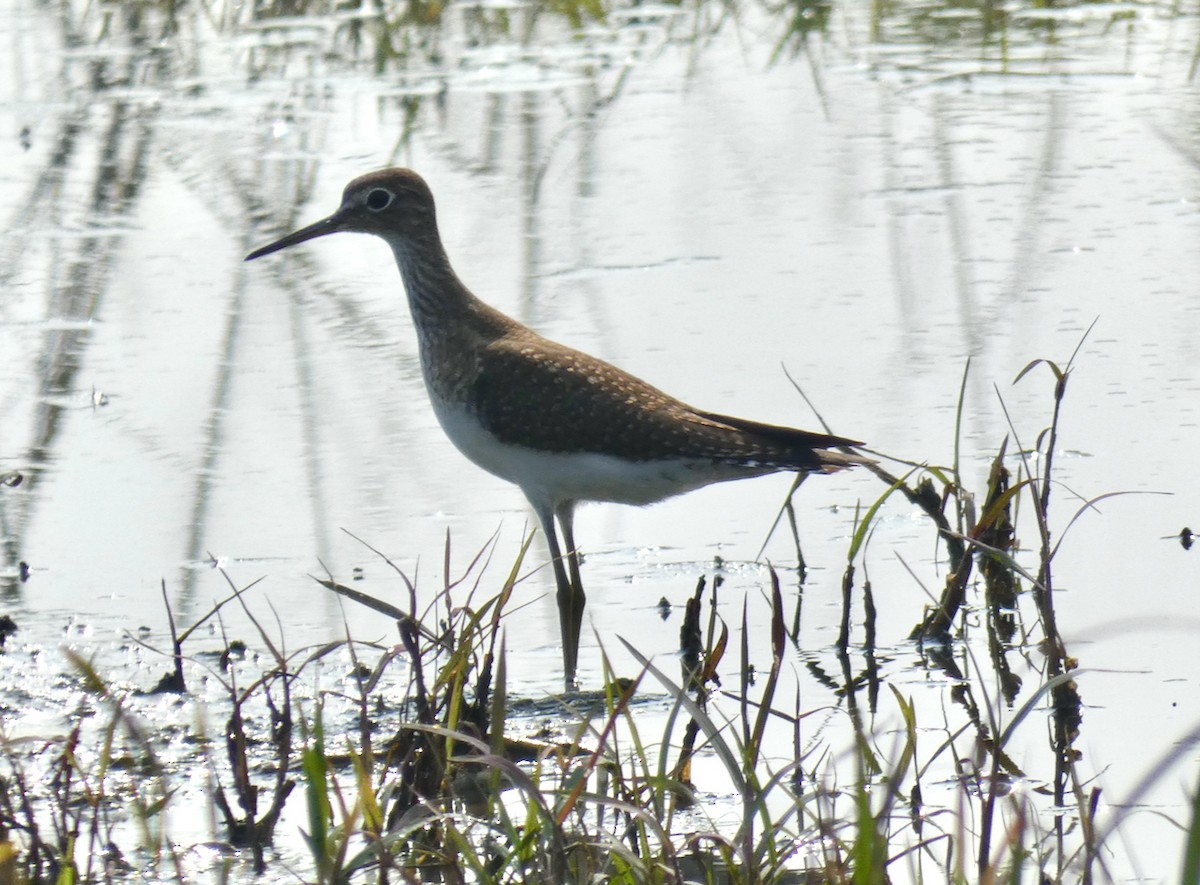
<point x="544" y="396"/>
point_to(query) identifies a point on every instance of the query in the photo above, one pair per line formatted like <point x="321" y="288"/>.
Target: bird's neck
<point x="435" y="293"/>
<point x="451" y="322"/>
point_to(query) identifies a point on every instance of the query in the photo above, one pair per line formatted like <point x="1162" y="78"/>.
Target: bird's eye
<point x="379" y="199"/>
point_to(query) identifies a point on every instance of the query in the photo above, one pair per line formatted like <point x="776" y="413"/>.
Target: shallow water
<point x="884" y="199"/>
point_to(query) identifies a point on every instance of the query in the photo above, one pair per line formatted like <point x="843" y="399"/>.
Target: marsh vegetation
<point x="269" y="627"/>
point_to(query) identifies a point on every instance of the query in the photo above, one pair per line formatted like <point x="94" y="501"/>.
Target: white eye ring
<point x="379" y="199"/>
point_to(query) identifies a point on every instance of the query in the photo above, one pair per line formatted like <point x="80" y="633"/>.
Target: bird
<point x="563" y="426"/>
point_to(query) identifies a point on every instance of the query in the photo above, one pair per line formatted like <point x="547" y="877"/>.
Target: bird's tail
<point x="832" y="462"/>
<point x="799" y="449"/>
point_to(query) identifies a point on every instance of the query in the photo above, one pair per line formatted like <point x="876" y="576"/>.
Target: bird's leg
<point x="573" y="618"/>
<point x="570" y="605"/>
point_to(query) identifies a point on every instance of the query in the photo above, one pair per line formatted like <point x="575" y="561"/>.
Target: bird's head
<point x="395" y="204"/>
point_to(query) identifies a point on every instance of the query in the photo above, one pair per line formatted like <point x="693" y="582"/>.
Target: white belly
<point x="553" y="477"/>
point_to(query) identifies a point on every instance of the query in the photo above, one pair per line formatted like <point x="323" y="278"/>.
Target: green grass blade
<point x="1191" y="853"/>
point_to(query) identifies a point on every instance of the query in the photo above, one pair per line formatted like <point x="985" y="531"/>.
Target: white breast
<point x="555" y="477"/>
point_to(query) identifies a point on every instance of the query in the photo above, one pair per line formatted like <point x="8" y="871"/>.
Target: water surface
<point x="707" y="196"/>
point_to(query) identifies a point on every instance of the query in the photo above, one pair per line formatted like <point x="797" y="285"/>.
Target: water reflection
<point x="904" y="186"/>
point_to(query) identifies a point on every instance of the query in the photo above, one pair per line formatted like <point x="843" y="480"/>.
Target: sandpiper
<point x="562" y="425"/>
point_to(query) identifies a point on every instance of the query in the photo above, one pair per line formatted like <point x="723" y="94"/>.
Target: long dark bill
<point x="330" y="225"/>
